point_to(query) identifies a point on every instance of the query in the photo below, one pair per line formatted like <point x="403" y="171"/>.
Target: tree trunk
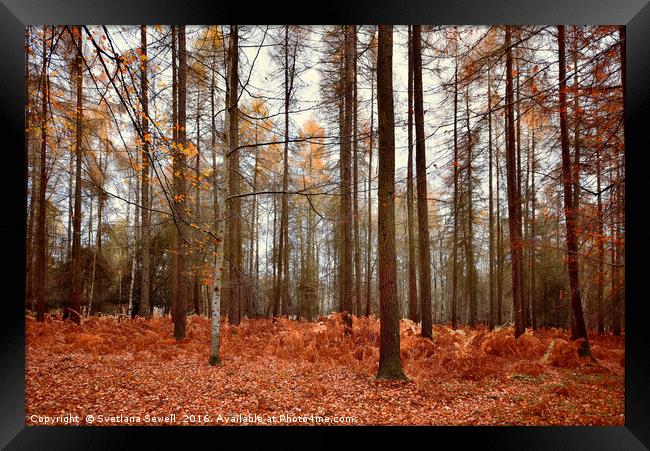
<point x="414" y="313"/>
<point x="346" y="182"/>
<point x="233" y="205"/>
<point x="471" y="270"/>
<point x="75" y="298"/>
<point x="491" y="287"/>
<point x="569" y="211"/>
<point x="355" y="171"/>
<point x="514" y="201"/>
<point x="533" y="231"/>
<point x="370" y="141"/>
<point x="454" y="275"/>
<point x="144" y="309"/>
<point x="175" y="242"/>
<point x="180" y="174"/>
<point x="280" y="303"/>
<point x="390" y="364"/>
<point x="218" y="227"/>
<point x="40" y="231"/>
<point x="421" y="174"/>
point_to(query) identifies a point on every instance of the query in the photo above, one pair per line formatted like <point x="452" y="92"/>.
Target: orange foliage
<point x="268" y="357"/>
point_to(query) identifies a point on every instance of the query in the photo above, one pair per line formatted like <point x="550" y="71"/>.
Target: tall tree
<point x="414" y="313"/>
<point x="180" y="173"/>
<point x="233" y="204"/>
<point x="355" y="172"/>
<point x="41" y="255"/>
<point x="75" y="298"/>
<point x="219" y="227"/>
<point x="454" y="274"/>
<point x="421" y="175"/>
<point x="144" y="309"/>
<point x="471" y="270"/>
<point x="369" y="189"/>
<point x="514" y="201"/>
<point x="175" y="241"/>
<point x="281" y="286"/>
<point x="491" y="278"/>
<point x="346" y="248"/>
<point x="390" y="364"/>
<point x="580" y="331"/>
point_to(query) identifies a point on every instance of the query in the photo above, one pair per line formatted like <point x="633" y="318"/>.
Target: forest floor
<point x="289" y="372"/>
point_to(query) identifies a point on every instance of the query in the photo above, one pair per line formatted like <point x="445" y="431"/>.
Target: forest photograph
<point x="315" y="225"/>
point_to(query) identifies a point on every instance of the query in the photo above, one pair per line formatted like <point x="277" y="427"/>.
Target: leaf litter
<point x="469" y="376"/>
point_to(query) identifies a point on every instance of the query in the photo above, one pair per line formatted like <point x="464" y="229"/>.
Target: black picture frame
<point x="635" y="14"/>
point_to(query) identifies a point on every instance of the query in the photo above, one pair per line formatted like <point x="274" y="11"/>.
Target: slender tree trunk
<point x="144" y="309"/>
<point x="175" y="242"/>
<point x="254" y="249"/>
<point x="514" y="201"/>
<point x="280" y="297"/>
<point x="355" y="172"/>
<point x="346" y="182"/>
<point x="491" y="286"/>
<point x="390" y="364"/>
<point x="517" y="106"/>
<point x="180" y="174"/>
<point x="471" y="270"/>
<point x="75" y="301"/>
<point x="370" y="142"/>
<point x="219" y="228"/>
<point x="41" y="264"/>
<point x="233" y="205"/>
<point x="454" y="275"/>
<point x="569" y="211"/>
<point x="414" y="311"/>
<point x="499" y="294"/>
<point x="421" y="174"/>
<point x="601" y="250"/>
<point x="533" y="236"/>
<point x="198" y="260"/>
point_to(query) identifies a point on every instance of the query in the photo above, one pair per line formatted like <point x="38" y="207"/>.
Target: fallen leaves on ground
<point x="289" y="369"/>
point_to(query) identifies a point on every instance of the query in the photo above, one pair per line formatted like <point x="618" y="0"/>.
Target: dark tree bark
<point x="233" y="204"/>
<point x="421" y="174"/>
<point x="471" y="270"/>
<point x="454" y="275"/>
<point x="355" y="182"/>
<point x="74" y="311"/>
<point x="390" y="364"/>
<point x="40" y="230"/>
<point x="144" y="309"/>
<point x="569" y="211"/>
<point x="280" y="303"/>
<point x="491" y="281"/>
<point x="514" y="201"/>
<point x="414" y="312"/>
<point x="180" y="174"/>
<point x="346" y="183"/>
<point x="533" y="235"/>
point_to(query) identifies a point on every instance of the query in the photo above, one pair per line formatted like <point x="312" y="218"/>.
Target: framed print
<point x="370" y="217"/>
